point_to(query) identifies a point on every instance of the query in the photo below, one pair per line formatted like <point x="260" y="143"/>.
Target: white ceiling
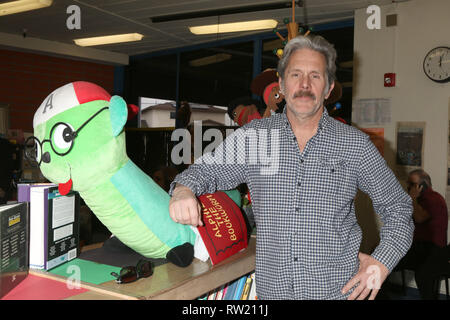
<point x="103" y="17"/>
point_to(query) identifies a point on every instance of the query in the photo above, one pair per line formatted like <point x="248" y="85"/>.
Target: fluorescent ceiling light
<point x="210" y="60"/>
<point x="116" y="38"/>
<point x="23" y="5"/>
<point x="234" y="27"/>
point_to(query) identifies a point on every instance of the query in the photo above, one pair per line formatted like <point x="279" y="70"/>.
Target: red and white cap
<point x="67" y="97"/>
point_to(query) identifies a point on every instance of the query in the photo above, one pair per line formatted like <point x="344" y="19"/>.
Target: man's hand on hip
<point x="370" y="276"/>
<point x="184" y="207"/>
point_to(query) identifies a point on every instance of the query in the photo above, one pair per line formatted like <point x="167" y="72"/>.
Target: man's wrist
<point x="179" y="189"/>
<point x="386" y="255"/>
<point x="182" y="190"/>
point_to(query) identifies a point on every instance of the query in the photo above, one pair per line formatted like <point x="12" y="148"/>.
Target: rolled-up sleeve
<point x="390" y="202"/>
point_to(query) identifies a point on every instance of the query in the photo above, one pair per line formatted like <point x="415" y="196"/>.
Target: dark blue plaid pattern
<point x="303" y="203"/>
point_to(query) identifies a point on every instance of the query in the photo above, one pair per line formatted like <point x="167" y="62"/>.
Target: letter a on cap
<point x="48" y="103"/>
<point x="67" y="97"/>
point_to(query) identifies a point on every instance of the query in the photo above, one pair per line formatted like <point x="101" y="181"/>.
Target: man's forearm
<point x="196" y="178"/>
<point x="392" y="204"/>
<point x="212" y="171"/>
<point x="396" y="236"/>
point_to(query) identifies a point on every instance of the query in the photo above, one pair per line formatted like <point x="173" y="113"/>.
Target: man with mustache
<point x="308" y="238"/>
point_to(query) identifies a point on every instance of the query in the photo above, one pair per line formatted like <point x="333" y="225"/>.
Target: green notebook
<point x="88" y="271"/>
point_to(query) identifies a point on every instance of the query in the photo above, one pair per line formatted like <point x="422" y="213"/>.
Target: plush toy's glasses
<point x="61" y="141"/>
<point x="143" y="269"/>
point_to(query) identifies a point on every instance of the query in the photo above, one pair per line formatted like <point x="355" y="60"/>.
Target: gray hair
<point x="423" y="176"/>
<point x="313" y="42"/>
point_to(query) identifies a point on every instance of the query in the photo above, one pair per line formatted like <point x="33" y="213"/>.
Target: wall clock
<point x="436" y="64"/>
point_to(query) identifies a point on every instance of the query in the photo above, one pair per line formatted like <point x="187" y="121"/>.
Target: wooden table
<point x="170" y="282"/>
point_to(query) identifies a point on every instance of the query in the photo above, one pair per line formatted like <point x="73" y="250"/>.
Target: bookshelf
<point x="242" y="288"/>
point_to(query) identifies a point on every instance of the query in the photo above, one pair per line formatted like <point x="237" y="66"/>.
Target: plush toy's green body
<point x="143" y="207"/>
<point x="83" y="144"/>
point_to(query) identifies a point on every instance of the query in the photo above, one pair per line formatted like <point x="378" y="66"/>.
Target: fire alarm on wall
<point x="389" y="79"/>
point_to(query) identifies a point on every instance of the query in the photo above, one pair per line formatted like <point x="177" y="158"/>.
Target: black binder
<point x="14" y="245"/>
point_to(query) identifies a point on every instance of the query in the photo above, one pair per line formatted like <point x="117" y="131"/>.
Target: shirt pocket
<point x="334" y="190"/>
<point x="332" y="176"/>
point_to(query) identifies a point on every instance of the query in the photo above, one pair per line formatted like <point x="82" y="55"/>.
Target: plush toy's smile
<point x="65" y="187"/>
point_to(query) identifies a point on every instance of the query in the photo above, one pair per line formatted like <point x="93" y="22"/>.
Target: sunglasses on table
<point x="143" y="269"/>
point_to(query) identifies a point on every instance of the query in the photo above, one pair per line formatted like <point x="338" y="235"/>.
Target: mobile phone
<point x="424" y="186"/>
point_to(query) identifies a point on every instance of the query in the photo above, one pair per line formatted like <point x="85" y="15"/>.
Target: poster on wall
<point x="409" y="151"/>
<point x="410" y="137"/>
<point x="376" y="135"/>
<point x="372" y="111"/>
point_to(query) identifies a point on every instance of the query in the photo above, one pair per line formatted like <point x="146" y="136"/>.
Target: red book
<point x="224" y="231"/>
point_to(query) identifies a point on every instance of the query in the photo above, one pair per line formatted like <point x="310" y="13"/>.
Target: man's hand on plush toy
<point x="184" y="207"/>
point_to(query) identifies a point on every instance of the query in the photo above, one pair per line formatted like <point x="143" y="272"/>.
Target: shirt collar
<point x="323" y="122"/>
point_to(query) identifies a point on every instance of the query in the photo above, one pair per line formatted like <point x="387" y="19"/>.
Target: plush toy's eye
<point x="62" y="136"/>
<point x="277" y="95"/>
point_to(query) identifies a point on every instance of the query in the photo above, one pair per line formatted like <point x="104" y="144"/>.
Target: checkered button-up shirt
<point x="303" y="202"/>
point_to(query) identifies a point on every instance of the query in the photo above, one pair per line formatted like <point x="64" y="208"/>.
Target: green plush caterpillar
<point x="80" y="144"/>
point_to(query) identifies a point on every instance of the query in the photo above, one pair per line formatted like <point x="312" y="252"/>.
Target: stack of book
<point x="240" y="289"/>
<point x="14" y="238"/>
<point x="54" y="224"/>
